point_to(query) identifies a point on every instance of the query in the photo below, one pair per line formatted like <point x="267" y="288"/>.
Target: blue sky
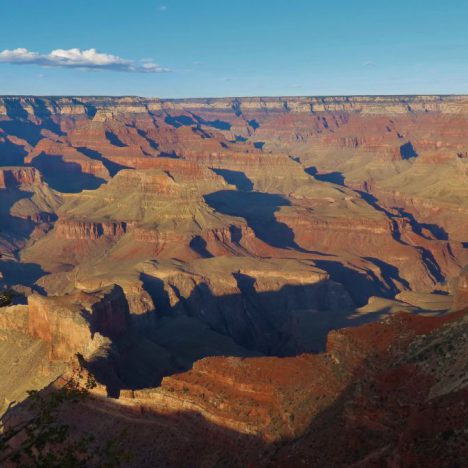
<point x="186" y="48"/>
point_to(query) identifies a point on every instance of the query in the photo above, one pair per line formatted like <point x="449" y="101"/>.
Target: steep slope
<point x="391" y="392"/>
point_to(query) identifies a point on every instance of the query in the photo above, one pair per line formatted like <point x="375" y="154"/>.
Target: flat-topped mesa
<point x="151" y="198"/>
<point x="103" y="107"/>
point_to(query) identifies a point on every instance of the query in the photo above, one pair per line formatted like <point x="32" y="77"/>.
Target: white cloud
<point x="163" y="8"/>
<point x="88" y="59"/>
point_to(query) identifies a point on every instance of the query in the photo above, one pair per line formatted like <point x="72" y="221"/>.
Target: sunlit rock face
<point x="195" y="256"/>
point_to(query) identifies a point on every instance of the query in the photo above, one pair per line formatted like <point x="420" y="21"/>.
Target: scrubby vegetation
<point x="6" y="297"/>
<point x="41" y="440"/>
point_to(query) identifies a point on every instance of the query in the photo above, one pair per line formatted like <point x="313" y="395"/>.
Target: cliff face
<point x="178" y="246"/>
<point x="79" y="323"/>
<point x="101" y="107"/>
<point x="367" y="401"/>
<point x="346" y="184"/>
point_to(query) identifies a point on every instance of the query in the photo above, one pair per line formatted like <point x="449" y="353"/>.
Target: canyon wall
<point x="236" y="265"/>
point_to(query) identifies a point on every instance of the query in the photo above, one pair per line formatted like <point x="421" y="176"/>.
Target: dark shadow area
<point x="19" y="228"/>
<point x="11" y="154"/>
<point x="155" y="288"/>
<point x="236" y="107"/>
<point x="407" y="151"/>
<point x="372" y="201"/>
<point x="236" y="234"/>
<point x="312" y="171"/>
<point x="21" y="127"/>
<point x="364" y="406"/>
<point x="360" y="285"/>
<point x="390" y="274"/>
<point x="66" y="177"/>
<point x="438" y="232"/>
<point x="90" y="109"/>
<point x="198" y="245"/>
<point x="217" y="124"/>
<point x="114" y="139"/>
<point x="247" y="322"/>
<point x="331" y="177"/>
<point x="15" y="110"/>
<point x="254" y="124"/>
<point x="25" y="274"/>
<point x="180" y="121"/>
<point x="439" y="292"/>
<point x="237" y="178"/>
<point x="240" y="139"/>
<point x="258" y="210"/>
<point x="172" y="155"/>
<point x="154" y="145"/>
<point x="431" y="264"/>
<point x="198" y="130"/>
<point x="41" y="111"/>
<point x="186" y="327"/>
<point x="111" y="166"/>
<point x="426" y="255"/>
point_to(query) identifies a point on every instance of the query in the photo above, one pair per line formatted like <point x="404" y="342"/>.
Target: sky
<point x="215" y="48"/>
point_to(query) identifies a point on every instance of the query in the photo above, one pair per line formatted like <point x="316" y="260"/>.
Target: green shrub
<point x="6" y="297"/>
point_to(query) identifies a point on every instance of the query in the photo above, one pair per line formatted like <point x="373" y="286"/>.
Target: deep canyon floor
<point x="251" y="281"/>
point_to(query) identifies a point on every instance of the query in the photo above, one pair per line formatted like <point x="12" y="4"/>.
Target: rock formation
<point x="197" y="257"/>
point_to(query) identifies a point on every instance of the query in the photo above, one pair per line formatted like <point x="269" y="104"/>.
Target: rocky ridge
<point x="176" y="248"/>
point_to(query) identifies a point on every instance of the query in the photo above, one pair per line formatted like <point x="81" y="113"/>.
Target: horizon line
<point x="286" y="96"/>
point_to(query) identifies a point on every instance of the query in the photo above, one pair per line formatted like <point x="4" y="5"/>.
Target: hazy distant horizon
<point x="291" y="96"/>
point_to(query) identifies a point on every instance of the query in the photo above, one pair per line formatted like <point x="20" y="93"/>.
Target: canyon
<point x="285" y="274"/>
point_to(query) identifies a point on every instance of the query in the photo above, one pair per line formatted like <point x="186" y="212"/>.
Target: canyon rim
<point x="233" y="234"/>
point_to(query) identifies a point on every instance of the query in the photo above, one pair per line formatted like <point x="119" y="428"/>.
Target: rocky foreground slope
<point x="178" y="246"/>
<point x="389" y="393"/>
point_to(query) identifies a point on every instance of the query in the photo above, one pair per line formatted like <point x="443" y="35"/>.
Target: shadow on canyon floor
<point x="311" y="425"/>
<point x="10" y="225"/>
<point x="65" y="176"/>
<point x="258" y="209"/>
<point x="111" y="166"/>
<point x="20" y="126"/>
<point x="236" y="178"/>
<point x="427" y="256"/>
<point x="21" y="274"/>
<point x="330" y="177"/>
<point x="287" y="322"/>
<point x="436" y="231"/>
<point x="12" y="154"/>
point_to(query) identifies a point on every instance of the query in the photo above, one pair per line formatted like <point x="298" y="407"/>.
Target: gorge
<point x="258" y="272"/>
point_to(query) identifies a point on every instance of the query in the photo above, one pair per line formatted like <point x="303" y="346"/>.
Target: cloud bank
<point x="88" y="59"/>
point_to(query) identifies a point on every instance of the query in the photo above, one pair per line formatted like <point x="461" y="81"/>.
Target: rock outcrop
<point x="187" y="253"/>
<point x="77" y="323"/>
